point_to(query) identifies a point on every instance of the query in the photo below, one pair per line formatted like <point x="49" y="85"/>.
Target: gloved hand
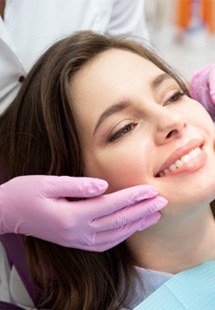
<point x="202" y="88"/>
<point x="35" y="205"/>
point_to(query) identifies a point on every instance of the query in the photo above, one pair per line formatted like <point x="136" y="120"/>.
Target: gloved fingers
<point x="76" y="187"/>
<point x="111" y="203"/>
<point x="212" y="94"/>
<point x="199" y="79"/>
<point x="108" y="239"/>
<point x="211" y="83"/>
<point x="130" y="214"/>
<point x="202" y="85"/>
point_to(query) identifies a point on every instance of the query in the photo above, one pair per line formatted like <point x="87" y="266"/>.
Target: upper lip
<point x="178" y="153"/>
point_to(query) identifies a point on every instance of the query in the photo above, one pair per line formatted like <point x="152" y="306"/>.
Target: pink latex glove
<point x="202" y="88"/>
<point x="35" y="205"/>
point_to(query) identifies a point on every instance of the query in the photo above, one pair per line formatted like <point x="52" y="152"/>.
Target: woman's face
<point x="136" y="126"/>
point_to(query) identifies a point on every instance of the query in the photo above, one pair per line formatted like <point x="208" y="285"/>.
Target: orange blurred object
<point x="184" y="13"/>
<point x="207" y="14"/>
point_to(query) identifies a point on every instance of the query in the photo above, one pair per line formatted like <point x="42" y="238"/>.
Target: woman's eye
<point x="121" y="132"/>
<point x="176" y="96"/>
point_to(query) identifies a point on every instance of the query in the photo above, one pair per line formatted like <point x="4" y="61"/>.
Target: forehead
<point x="108" y="78"/>
<point x="109" y="70"/>
<point x="112" y="64"/>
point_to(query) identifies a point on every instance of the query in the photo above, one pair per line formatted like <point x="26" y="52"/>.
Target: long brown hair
<point x="38" y="136"/>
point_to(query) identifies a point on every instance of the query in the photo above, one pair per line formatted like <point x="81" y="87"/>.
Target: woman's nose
<point x="170" y="126"/>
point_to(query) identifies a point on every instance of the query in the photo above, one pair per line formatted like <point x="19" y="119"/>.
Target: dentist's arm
<point x="36" y="205"/>
<point x="202" y="87"/>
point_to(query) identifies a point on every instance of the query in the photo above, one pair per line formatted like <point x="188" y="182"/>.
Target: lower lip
<point x="193" y="165"/>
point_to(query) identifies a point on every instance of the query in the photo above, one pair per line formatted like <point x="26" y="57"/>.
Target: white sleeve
<point x="128" y="17"/>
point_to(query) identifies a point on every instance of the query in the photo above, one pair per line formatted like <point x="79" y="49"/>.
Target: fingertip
<point x="151" y="220"/>
<point x="161" y="202"/>
<point x="97" y="187"/>
<point x="101" y="182"/>
<point x="213" y="98"/>
<point x="145" y="192"/>
<point x="212" y="95"/>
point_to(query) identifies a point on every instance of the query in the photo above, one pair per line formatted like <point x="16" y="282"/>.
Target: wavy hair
<point x="39" y="136"/>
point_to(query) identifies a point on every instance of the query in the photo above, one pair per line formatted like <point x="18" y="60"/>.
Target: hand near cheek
<point x="202" y="88"/>
<point x="37" y="206"/>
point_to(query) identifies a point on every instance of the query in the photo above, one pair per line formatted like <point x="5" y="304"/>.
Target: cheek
<point x="197" y="114"/>
<point x="120" y="167"/>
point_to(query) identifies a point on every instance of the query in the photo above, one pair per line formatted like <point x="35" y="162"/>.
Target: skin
<point x="152" y="120"/>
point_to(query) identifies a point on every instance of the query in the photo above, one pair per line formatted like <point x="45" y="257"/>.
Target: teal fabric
<point x="192" y="289"/>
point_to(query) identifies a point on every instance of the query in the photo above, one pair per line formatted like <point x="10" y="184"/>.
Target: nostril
<point x="171" y="133"/>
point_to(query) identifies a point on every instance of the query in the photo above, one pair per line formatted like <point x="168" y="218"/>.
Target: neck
<point x="181" y="244"/>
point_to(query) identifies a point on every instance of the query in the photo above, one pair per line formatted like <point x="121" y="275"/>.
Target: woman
<point x="110" y="108"/>
<point x="25" y="32"/>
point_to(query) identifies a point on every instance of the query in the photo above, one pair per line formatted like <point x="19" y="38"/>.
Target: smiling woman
<point x="110" y="108"/>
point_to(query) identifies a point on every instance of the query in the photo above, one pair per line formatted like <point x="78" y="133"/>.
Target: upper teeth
<point x="181" y="161"/>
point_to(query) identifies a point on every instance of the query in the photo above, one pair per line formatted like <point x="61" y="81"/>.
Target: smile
<point x="188" y="158"/>
<point x="184" y="160"/>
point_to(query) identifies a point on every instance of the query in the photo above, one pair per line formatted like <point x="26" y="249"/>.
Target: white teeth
<point x="172" y="167"/>
<point x="193" y="153"/>
<point x="181" y="161"/>
<point x="178" y="163"/>
<point x="185" y="159"/>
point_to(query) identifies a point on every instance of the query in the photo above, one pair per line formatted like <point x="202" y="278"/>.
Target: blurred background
<point x="183" y="32"/>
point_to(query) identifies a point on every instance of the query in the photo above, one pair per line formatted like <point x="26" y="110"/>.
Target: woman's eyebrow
<point x="111" y="110"/>
<point x="159" y="79"/>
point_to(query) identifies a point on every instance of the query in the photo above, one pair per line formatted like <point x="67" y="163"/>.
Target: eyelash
<point x="176" y="96"/>
<point x="121" y="132"/>
<point x="124" y="130"/>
